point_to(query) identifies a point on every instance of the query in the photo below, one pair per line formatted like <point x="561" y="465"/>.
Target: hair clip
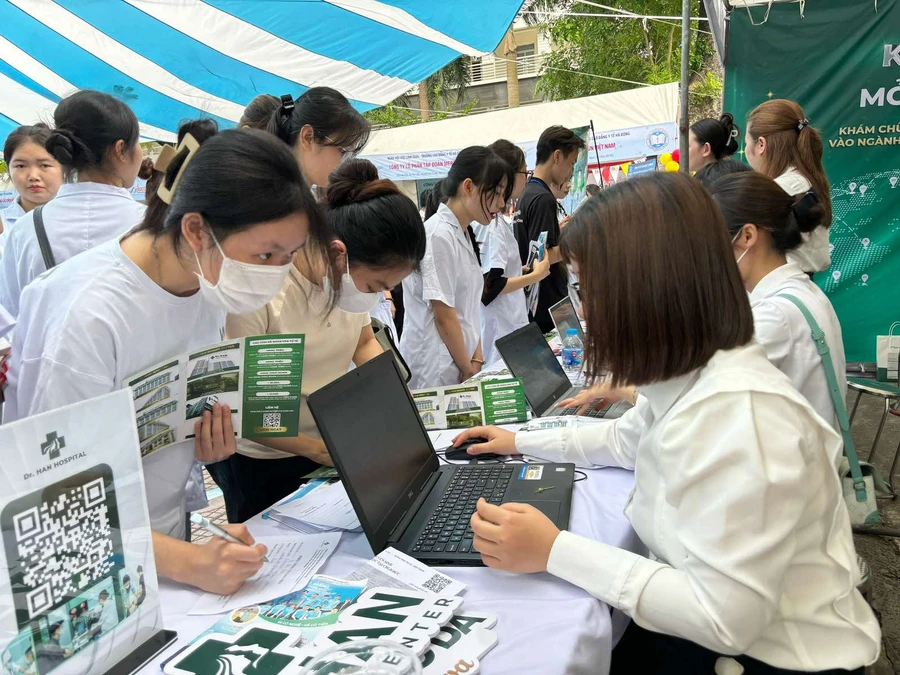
<point x="165" y="158"/>
<point x="805" y="204"/>
<point x="190" y="143"/>
<point x="287" y="104"/>
<point x="734" y="133"/>
<point x="803" y="123"/>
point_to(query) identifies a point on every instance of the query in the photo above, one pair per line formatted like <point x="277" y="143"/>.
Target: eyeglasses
<point x="346" y="153"/>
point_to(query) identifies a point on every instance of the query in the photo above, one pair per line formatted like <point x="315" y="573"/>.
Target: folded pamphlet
<point x="472" y="404"/>
<point x="257" y="377"/>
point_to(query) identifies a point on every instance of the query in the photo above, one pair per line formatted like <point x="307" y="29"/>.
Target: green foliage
<point x="395" y="114"/>
<point x="3" y="167"/>
<point x="625" y="49"/>
<point x="448" y="85"/>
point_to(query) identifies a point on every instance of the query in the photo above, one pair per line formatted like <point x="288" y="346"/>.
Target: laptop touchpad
<point x="549" y="509"/>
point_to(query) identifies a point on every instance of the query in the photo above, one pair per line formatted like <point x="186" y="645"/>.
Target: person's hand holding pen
<point x="229" y="558"/>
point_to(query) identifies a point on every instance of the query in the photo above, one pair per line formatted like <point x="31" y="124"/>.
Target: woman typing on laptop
<point x="735" y="490"/>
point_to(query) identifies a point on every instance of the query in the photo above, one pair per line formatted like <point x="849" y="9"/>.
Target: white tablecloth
<point x="545" y="625"/>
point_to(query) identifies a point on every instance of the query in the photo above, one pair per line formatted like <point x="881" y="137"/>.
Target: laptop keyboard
<point x="448" y="529"/>
<point x="597" y="412"/>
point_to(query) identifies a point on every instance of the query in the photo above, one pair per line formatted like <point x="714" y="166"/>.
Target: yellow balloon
<point x="665" y="158"/>
<point x="672" y="167"/>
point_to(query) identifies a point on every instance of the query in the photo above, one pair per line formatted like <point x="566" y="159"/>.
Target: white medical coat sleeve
<point x="611" y="443"/>
<point x="439" y="268"/>
<point x="773" y="331"/>
<point x="738" y="485"/>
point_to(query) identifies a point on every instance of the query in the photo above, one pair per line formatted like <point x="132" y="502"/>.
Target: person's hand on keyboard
<point x="499" y="442"/>
<point x="599" y="396"/>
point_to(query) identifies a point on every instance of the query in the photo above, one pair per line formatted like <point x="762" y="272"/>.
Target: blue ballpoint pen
<point x="214" y="529"/>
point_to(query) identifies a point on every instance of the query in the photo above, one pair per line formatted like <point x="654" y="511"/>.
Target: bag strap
<point x="818" y="336"/>
<point x="43" y="241"/>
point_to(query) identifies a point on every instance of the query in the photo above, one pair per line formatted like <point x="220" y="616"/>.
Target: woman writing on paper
<point x="441" y="340"/>
<point x="36" y="175"/>
<point x="735" y="493"/>
<point x="239" y="209"/>
<point x="378" y="239"/>
<point x="95" y="139"/>
<point x="504" y="306"/>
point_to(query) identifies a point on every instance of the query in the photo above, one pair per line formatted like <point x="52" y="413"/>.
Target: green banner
<point x="841" y="62"/>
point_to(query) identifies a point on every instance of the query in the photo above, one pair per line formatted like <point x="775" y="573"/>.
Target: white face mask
<point x="746" y="250"/>
<point x="242" y="287"/>
<point x="352" y="299"/>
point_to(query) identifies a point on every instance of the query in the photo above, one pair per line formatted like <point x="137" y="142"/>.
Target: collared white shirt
<point x="738" y="499"/>
<point x="80" y="217"/>
<point x="8" y="217"/>
<point x="783" y="332"/>
<point x="449" y="273"/>
<point x="507" y="312"/>
<point x="813" y="254"/>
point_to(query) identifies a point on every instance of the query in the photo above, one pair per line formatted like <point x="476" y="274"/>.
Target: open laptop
<point x="530" y="359"/>
<point x="565" y="317"/>
<point x="401" y="493"/>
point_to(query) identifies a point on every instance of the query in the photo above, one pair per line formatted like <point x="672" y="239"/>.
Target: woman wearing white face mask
<point x="239" y="210"/>
<point x="378" y="240"/>
<point x="442" y="326"/>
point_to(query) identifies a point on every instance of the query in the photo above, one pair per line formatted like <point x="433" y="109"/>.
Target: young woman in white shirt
<point x="441" y="340"/>
<point x="96" y="141"/>
<point x="504" y="305"/>
<point x="765" y="224"/>
<point x="378" y="239"/>
<point x="35" y="175"/>
<point x="781" y="144"/>
<point x="239" y="212"/>
<point x="736" y="495"/>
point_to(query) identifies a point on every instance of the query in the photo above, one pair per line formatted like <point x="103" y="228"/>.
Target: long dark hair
<point x="435" y="198"/>
<point x="379" y="225"/>
<point x="259" y="111"/>
<point x="237" y="179"/>
<point x="88" y="125"/>
<point x="36" y="133"/>
<point x="791" y="142"/>
<point x="721" y="134"/>
<point x="753" y="198"/>
<point x="333" y="120"/>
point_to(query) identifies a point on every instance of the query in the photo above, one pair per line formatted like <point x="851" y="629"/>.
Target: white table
<point x="545" y="625"/>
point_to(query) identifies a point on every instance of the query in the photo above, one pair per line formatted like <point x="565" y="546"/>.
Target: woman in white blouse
<point x="736" y="493"/>
<point x="441" y="340"/>
<point x="36" y="176"/>
<point x="781" y="144"/>
<point x="96" y="142"/>
<point x="765" y="224"/>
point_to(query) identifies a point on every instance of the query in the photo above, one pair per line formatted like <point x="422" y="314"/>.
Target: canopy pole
<point x="597" y="153"/>
<point x="685" y="81"/>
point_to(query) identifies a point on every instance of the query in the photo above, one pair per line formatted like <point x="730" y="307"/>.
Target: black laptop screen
<point x="530" y="359"/>
<point x="370" y="425"/>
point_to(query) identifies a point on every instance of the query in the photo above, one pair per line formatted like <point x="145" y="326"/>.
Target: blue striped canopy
<point x="172" y="60"/>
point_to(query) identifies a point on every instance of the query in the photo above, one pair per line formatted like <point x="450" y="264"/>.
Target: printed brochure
<point x="472" y="404"/>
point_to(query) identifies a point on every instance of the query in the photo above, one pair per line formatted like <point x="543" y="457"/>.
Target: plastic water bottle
<point x="572" y="351"/>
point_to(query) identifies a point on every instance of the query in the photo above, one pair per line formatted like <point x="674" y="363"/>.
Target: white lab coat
<point x="737" y="497"/>
<point x="383" y="312"/>
<point x="449" y="273"/>
<point x="507" y="312"/>
<point x="813" y="254"/>
<point x="8" y="218"/>
<point x="783" y="332"/>
<point x="80" y="217"/>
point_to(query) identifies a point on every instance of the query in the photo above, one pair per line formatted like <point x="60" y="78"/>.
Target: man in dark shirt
<point x="557" y="152"/>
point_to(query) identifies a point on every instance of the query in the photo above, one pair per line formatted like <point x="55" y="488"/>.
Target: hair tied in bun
<point x="803" y="206"/>
<point x="357" y="181"/>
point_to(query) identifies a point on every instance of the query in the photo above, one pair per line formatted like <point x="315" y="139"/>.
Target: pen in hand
<point x="217" y="531"/>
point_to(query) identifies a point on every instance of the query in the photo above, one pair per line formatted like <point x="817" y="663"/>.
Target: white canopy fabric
<point x="632" y="108"/>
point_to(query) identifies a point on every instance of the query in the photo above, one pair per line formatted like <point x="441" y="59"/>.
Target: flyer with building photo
<point x="257" y="377"/>
<point x="461" y="406"/>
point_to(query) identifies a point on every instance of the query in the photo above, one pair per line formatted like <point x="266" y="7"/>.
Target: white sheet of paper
<point x="327" y="507"/>
<point x="293" y="560"/>
<point x="393" y="569"/>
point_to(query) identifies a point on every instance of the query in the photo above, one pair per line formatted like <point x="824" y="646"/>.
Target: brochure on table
<point x="258" y="377"/>
<point x="472" y="404"/>
<point x="78" y="590"/>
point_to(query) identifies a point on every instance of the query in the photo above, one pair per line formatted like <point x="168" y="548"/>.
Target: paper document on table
<point x="327" y="507"/>
<point x="292" y="563"/>
<point x="393" y="569"/>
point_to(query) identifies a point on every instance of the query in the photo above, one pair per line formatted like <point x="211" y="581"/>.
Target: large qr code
<point x="64" y="539"/>
<point x="271" y="420"/>
<point x="437" y="583"/>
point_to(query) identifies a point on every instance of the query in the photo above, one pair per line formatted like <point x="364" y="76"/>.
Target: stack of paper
<point x="322" y="507"/>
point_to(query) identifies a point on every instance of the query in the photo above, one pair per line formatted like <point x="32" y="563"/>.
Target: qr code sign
<point x="64" y="545"/>
<point x="437" y="583"/>
<point x="271" y="420"/>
